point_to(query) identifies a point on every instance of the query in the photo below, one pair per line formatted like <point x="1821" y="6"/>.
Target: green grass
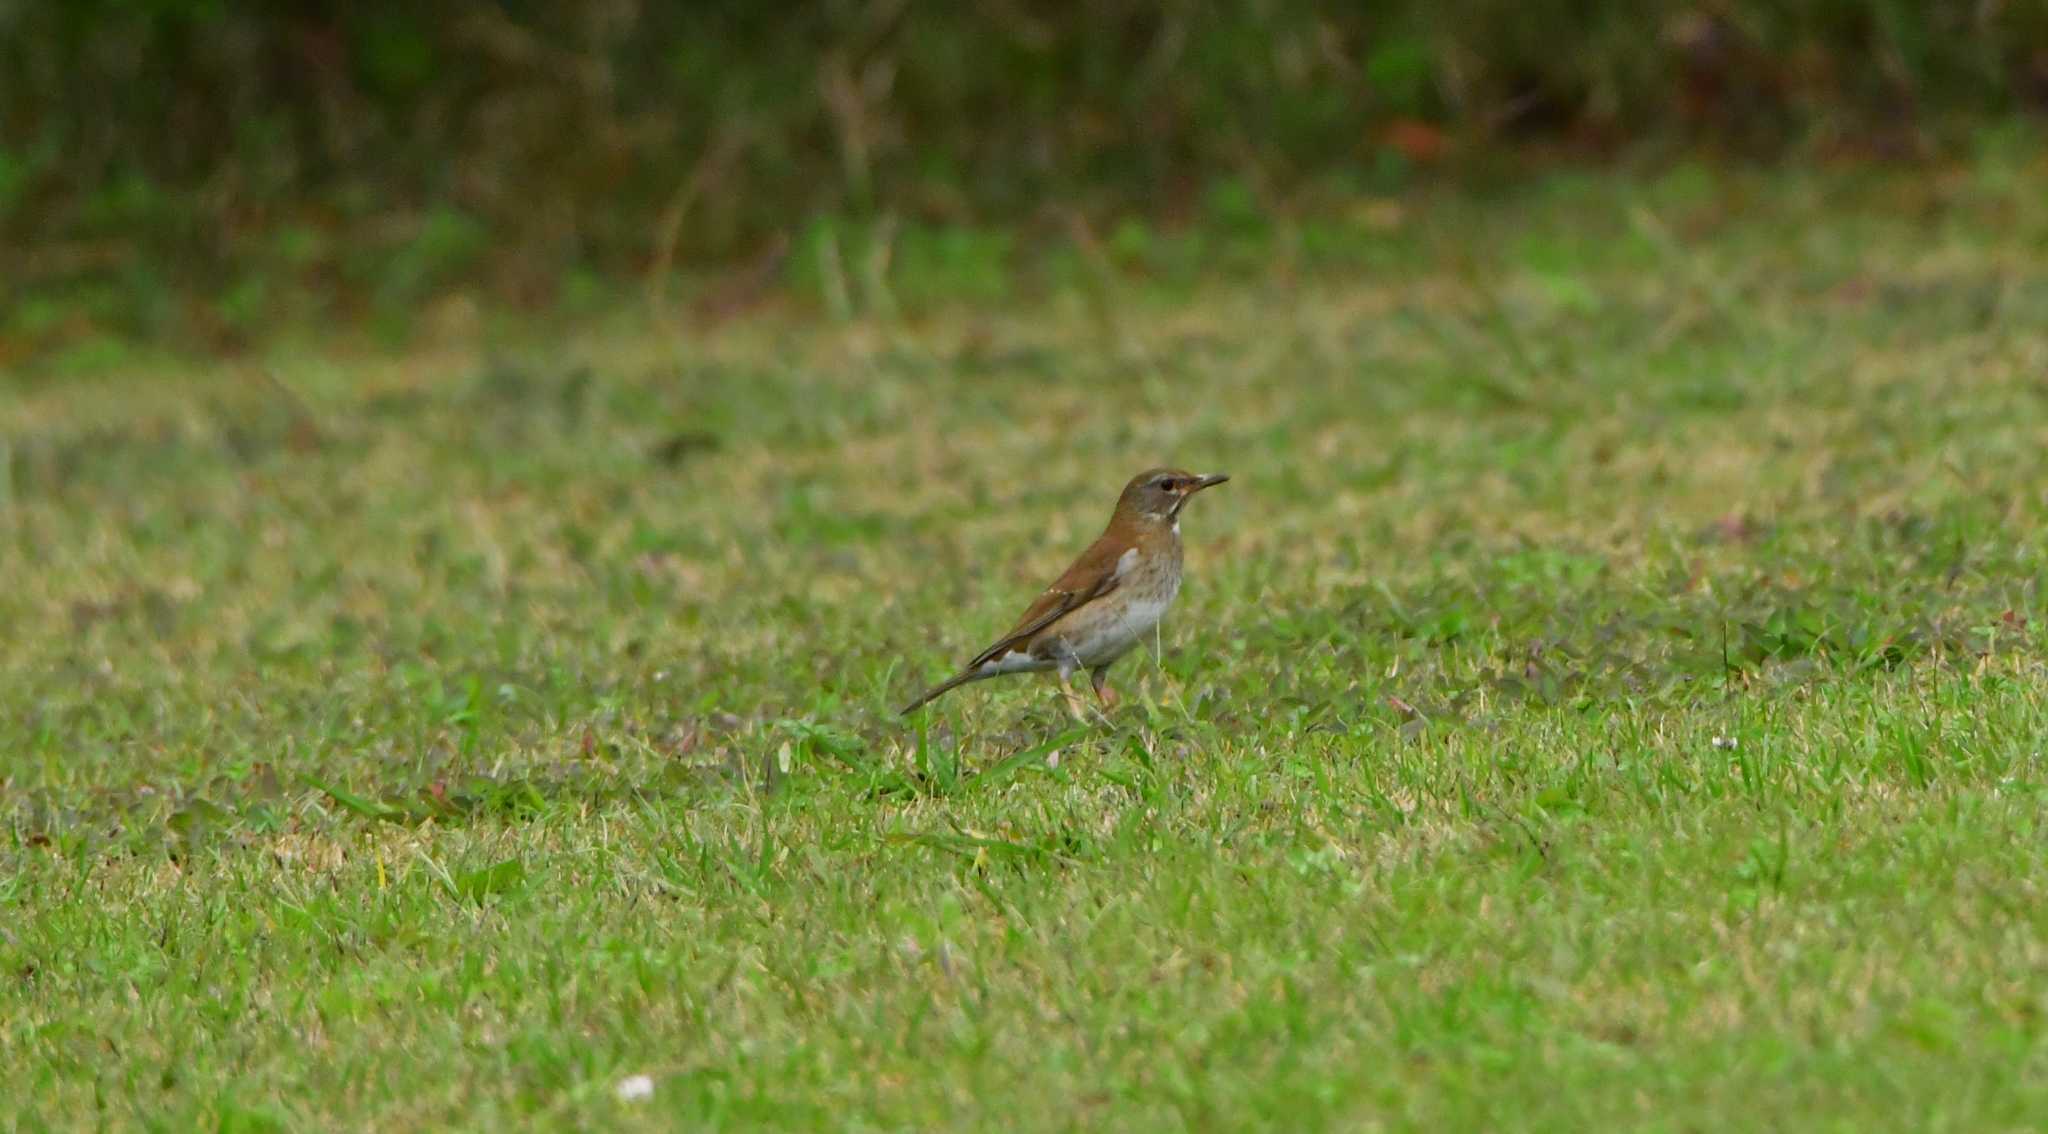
<point x="1610" y="693"/>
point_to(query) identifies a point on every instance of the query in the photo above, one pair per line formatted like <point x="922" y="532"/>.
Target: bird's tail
<point x="940" y="690"/>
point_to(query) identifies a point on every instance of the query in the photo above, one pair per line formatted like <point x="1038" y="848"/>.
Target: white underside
<point x="1013" y="662"/>
<point x="1088" y="642"/>
<point x="1089" y="637"/>
<point x="1101" y="641"/>
<point x="1105" y="640"/>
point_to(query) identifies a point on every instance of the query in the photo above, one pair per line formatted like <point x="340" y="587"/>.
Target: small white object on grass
<point x="635" y="1088"/>
<point x="1724" y="742"/>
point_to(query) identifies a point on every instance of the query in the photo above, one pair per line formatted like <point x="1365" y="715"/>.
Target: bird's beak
<point x="1210" y="481"/>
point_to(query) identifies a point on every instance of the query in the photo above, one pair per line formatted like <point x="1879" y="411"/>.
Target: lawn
<point x="1610" y="693"/>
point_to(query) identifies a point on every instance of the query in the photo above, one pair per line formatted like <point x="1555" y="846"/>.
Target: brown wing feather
<point x="1092" y="576"/>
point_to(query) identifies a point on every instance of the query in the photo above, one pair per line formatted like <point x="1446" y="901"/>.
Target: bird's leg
<point x="1076" y="708"/>
<point x="1099" y="678"/>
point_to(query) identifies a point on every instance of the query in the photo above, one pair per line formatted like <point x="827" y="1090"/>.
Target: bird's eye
<point x="1170" y="483"/>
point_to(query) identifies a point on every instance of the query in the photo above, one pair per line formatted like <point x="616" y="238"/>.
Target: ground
<point x="1609" y="693"/>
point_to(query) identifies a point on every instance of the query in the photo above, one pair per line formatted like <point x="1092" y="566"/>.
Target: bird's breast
<point x="1107" y="628"/>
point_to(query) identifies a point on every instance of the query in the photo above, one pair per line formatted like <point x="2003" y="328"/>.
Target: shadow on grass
<point x="176" y="819"/>
<point x="1543" y="629"/>
<point x="763" y="762"/>
<point x="1531" y="631"/>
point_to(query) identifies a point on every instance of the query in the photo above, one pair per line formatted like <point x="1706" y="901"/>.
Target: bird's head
<point x="1158" y="495"/>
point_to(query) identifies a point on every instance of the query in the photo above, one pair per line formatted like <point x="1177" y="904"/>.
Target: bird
<point x="1104" y="604"/>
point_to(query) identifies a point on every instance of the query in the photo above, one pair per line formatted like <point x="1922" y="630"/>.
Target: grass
<point x="1610" y="693"/>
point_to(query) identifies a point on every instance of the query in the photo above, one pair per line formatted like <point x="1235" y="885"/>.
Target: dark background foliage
<point x="376" y="153"/>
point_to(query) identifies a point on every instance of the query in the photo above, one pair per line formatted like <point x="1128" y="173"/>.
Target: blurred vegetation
<point x="203" y="170"/>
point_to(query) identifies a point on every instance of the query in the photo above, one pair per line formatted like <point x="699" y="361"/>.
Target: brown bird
<point x="1106" y="602"/>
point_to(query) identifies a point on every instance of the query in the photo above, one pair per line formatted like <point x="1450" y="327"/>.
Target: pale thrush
<point x="1107" y="602"/>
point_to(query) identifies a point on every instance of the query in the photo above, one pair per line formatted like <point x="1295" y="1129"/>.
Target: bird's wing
<point x="1091" y="577"/>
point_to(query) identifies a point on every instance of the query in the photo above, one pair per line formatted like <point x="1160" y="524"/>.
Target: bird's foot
<point x="1077" y="706"/>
